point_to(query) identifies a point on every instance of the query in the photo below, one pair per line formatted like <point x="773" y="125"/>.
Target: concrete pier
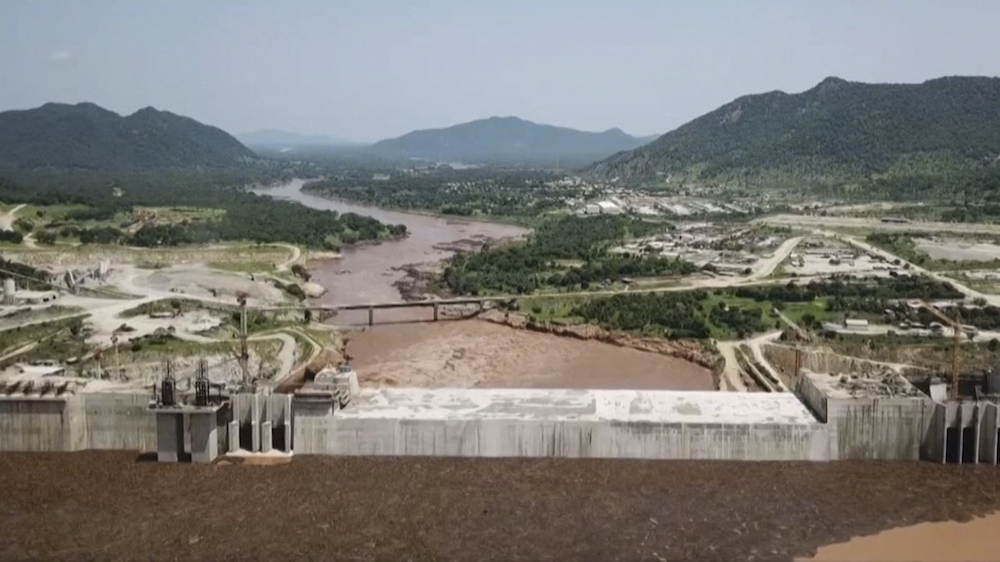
<point x="266" y="437"/>
<point x="234" y="436"/>
<point x="989" y="433"/>
<point x="204" y="437"/>
<point x="169" y="436"/>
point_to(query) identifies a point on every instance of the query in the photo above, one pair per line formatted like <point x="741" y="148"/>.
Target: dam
<point x="827" y="418"/>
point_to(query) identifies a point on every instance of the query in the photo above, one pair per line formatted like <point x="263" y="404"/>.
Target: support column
<point x="204" y="437"/>
<point x="234" y="436"/>
<point x="435" y="312"/>
<point x="371" y="315"/>
<point x="265" y="437"/>
<point x="288" y="435"/>
<point x="988" y="433"/>
<point x="255" y="422"/>
<point x="169" y="436"/>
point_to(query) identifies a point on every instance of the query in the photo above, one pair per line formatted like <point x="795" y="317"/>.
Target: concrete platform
<point x="564" y="423"/>
<point x="578" y="405"/>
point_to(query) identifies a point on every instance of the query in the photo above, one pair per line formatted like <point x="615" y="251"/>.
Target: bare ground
<point x="108" y="506"/>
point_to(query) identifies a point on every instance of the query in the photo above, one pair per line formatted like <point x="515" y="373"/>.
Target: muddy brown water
<point x="405" y="350"/>
<point x="104" y="505"/>
<point x="366" y="273"/>
<point x="474" y="353"/>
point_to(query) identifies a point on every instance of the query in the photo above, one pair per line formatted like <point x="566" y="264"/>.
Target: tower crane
<point x="956" y="327"/>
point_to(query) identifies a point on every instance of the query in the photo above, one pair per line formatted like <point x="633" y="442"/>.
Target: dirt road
<point x="731" y="379"/>
<point x="967" y="291"/>
<point x="758" y="355"/>
<point x="815" y="221"/>
<point x="7" y="219"/>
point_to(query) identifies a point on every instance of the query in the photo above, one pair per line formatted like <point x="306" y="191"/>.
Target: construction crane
<point x="956" y="328"/>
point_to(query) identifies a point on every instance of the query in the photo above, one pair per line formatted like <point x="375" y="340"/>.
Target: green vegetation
<point x="228" y="213"/>
<point x="742" y="311"/>
<point x="849" y="139"/>
<point x="104" y="165"/>
<point x="839" y="291"/>
<point x="506" y="140"/>
<point x="291" y="289"/>
<point x="58" y="338"/>
<point x="483" y="192"/>
<point x="89" y="137"/>
<point x="523" y="268"/>
<point x="903" y="245"/>
<point x="27" y="277"/>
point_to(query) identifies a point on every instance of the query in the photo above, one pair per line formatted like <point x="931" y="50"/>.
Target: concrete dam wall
<point x="830" y="418"/>
<point x="563" y="423"/>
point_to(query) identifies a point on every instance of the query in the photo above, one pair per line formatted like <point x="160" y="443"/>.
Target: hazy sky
<point x="372" y="68"/>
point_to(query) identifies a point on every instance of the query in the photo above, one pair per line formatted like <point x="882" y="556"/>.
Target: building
<point x="609" y="208"/>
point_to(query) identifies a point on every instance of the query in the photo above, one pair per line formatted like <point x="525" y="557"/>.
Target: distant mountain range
<point x="87" y="136"/>
<point x="837" y="130"/>
<point x="276" y="138"/>
<point x="506" y="140"/>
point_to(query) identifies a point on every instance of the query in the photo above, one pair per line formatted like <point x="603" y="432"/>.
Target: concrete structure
<point x="263" y="421"/>
<point x="609" y="208"/>
<point x="9" y="291"/>
<point x="832" y="417"/>
<point x="61" y="420"/>
<point x="561" y="423"/>
<point x="869" y="417"/>
<point x="964" y="432"/>
<point x="171" y="421"/>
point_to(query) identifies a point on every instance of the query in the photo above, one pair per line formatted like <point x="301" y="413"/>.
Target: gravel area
<point x="112" y="506"/>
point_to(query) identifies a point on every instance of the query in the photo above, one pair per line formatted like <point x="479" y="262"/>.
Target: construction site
<point x="239" y="403"/>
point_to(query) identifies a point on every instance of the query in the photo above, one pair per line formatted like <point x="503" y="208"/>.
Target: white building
<point x="609" y="208"/>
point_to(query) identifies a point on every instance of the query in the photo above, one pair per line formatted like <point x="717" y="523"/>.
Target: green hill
<point x="836" y="132"/>
<point x="506" y="140"/>
<point x="86" y="136"/>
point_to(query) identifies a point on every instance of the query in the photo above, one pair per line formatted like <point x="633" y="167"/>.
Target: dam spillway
<point x="563" y="423"/>
<point x="825" y="419"/>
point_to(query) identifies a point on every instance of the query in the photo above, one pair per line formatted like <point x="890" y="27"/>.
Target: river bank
<point x="525" y="222"/>
<point x="477" y="353"/>
<point x="472" y="353"/>
<point x="370" y="273"/>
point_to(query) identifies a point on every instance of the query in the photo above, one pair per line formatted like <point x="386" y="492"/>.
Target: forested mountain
<point x="837" y="131"/>
<point x="87" y="136"/>
<point x="84" y="154"/>
<point x="506" y="140"/>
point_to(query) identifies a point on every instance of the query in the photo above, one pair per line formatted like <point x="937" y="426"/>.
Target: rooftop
<point x="705" y="407"/>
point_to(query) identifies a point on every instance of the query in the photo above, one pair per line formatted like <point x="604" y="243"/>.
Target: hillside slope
<point x="506" y="140"/>
<point x="87" y="136"/>
<point x="836" y="131"/>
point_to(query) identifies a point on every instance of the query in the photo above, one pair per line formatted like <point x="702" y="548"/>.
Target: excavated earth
<point x="115" y="506"/>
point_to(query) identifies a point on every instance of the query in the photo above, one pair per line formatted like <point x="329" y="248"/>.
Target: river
<point x="399" y="352"/>
<point x="367" y="273"/>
